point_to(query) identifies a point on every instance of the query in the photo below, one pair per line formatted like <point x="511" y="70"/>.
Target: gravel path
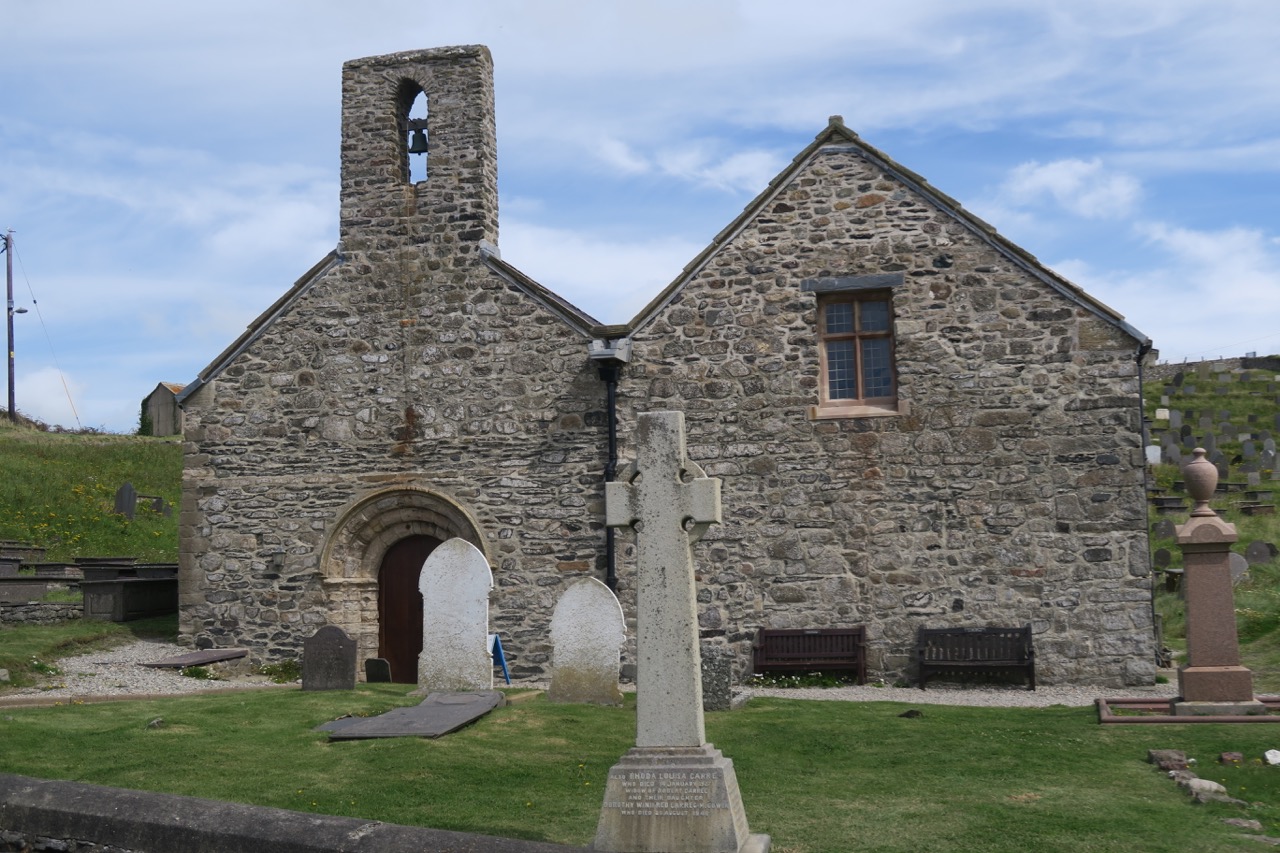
<point x="117" y="673"/>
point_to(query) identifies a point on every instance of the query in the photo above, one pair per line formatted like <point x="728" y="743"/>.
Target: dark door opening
<point x="400" y="606"/>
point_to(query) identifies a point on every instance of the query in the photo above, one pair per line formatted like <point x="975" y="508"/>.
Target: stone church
<point x="916" y="423"/>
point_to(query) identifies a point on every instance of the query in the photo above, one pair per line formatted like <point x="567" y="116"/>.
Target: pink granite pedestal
<point x="1212" y="682"/>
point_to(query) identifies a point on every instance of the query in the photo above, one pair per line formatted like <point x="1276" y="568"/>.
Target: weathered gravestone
<point x="1162" y="414"/>
<point x="1164" y="529"/>
<point x="673" y="792"/>
<point x="1259" y="552"/>
<point x="126" y="500"/>
<point x="587" y="634"/>
<point x="717" y="678"/>
<point x="455" y="584"/>
<point x="1160" y="559"/>
<point x="329" y="660"/>
<point x="377" y="671"/>
<point x="1153" y="454"/>
<point x="1175" y="419"/>
<point x="1238" y="566"/>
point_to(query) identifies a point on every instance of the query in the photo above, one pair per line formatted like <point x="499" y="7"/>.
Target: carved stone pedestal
<point x="675" y="800"/>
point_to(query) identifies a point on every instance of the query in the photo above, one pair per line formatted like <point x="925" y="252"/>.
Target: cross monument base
<point x="675" y="800"/>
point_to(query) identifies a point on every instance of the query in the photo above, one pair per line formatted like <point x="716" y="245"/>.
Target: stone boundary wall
<point x="1217" y="365"/>
<point x="37" y="814"/>
<point x="39" y="613"/>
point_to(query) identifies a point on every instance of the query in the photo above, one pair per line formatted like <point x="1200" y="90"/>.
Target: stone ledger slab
<point x="197" y="658"/>
<point x="675" y="800"/>
<point x="438" y="714"/>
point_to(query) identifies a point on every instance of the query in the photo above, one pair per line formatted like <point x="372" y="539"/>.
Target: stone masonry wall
<point x="413" y="387"/>
<point x="1011" y="493"/>
<point x="407" y="365"/>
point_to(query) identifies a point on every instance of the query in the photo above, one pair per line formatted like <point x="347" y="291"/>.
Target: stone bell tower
<point x="388" y="205"/>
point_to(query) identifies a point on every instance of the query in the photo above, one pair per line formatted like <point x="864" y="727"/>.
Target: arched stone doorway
<point x="394" y="526"/>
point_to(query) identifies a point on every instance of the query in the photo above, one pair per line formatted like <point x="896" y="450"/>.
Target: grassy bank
<point x="817" y="776"/>
<point x="58" y="491"/>
<point x="1258" y="595"/>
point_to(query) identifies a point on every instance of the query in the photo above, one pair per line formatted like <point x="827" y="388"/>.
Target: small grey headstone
<point x="377" y="671"/>
<point x="1178" y="378"/>
<point x="1175" y="419"/>
<point x="1248" y="449"/>
<point x="1209" y="442"/>
<point x="1239" y="567"/>
<point x="4" y="676"/>
<point x="1206" y="422"/>
<point x="1255" y="478"/>
<point x="1188" y="389"/>
<point x="1268" y="443"/>
<point x="1173" y="455"/>
<point x="126" y="500"/>
<point x="1268" y="460"/>
<point x="717" y="678"/>
<point x="329" y="660"/>
<point x="1259" y="552"/>
<point x="1164" y="399"/>
<point x="1165" y="529"/>
<point x="1153" y="454"/>
<point x="1161" y="558"/>
<point x="1228" y="430"/>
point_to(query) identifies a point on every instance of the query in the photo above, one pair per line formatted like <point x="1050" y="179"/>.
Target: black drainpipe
<point x="609" y="376"/>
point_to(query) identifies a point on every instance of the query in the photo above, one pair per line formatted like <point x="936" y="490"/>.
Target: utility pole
<point x="8" y="278"/>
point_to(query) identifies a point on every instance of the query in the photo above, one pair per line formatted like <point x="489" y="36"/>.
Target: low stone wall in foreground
<point x="36" y="814"/>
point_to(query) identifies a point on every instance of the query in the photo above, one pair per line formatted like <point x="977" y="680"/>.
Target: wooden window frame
<point x="861" y="405"/>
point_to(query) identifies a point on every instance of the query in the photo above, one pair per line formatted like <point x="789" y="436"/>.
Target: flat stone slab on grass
<point x="438" y="714"/>
<point x="197" y="658"/>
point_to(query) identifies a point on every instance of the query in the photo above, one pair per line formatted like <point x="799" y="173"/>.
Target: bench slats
<point x="811" y="650"/>
<point x="979" y="650"/>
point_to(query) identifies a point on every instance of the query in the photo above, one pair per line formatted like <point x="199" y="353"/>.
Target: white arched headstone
<point x="455" y="583"/>
<point x="587" y="633"/>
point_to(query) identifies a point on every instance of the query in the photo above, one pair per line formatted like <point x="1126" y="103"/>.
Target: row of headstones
<point x="588" y="631"/>
<point x="1254" y="458"/>
<point x="1180" y="422"/>
<point x="1206" y="372"/>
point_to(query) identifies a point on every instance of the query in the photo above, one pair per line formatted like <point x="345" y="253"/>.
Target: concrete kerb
<point x="145" y="821"/>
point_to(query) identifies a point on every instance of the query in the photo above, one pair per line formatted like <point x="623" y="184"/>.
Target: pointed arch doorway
<point x="400" y="605"/>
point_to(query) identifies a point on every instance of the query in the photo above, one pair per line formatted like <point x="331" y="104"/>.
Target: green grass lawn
<point x="817" y="776"/>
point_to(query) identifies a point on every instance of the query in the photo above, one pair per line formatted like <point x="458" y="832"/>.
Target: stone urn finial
<point x="1201" y="477"/>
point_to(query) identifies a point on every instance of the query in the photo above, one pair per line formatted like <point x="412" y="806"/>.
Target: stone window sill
<point x="828" y="411"/>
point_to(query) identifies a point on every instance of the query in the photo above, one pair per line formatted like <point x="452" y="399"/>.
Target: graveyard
<point x="815" y="776"/>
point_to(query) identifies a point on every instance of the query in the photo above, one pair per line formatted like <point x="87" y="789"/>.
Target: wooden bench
<point x="975" y="650"/>
<point x="811" y="650"/>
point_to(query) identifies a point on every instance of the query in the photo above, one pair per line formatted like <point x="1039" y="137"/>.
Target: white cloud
<point x="1208" y="293"/>
<point x="619" y="155"/>
<point x="611" y="279"/>
<point x="1084" y="188"/>
<point x="48" y="395"/>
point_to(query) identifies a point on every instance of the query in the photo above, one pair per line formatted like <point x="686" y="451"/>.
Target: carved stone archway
<point x="359" y="540"/>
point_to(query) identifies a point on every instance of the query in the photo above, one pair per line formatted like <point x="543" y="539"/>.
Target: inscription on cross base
<point x="670" y="502"/>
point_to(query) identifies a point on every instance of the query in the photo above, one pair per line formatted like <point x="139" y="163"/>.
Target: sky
<point x="168" y="170"/>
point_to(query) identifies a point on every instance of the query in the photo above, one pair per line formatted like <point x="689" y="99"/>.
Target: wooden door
<point x="400" y="606"/>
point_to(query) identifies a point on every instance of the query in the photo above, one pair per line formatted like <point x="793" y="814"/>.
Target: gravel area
<point x="118" y="672"/>
<point x="940" y="693"/>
